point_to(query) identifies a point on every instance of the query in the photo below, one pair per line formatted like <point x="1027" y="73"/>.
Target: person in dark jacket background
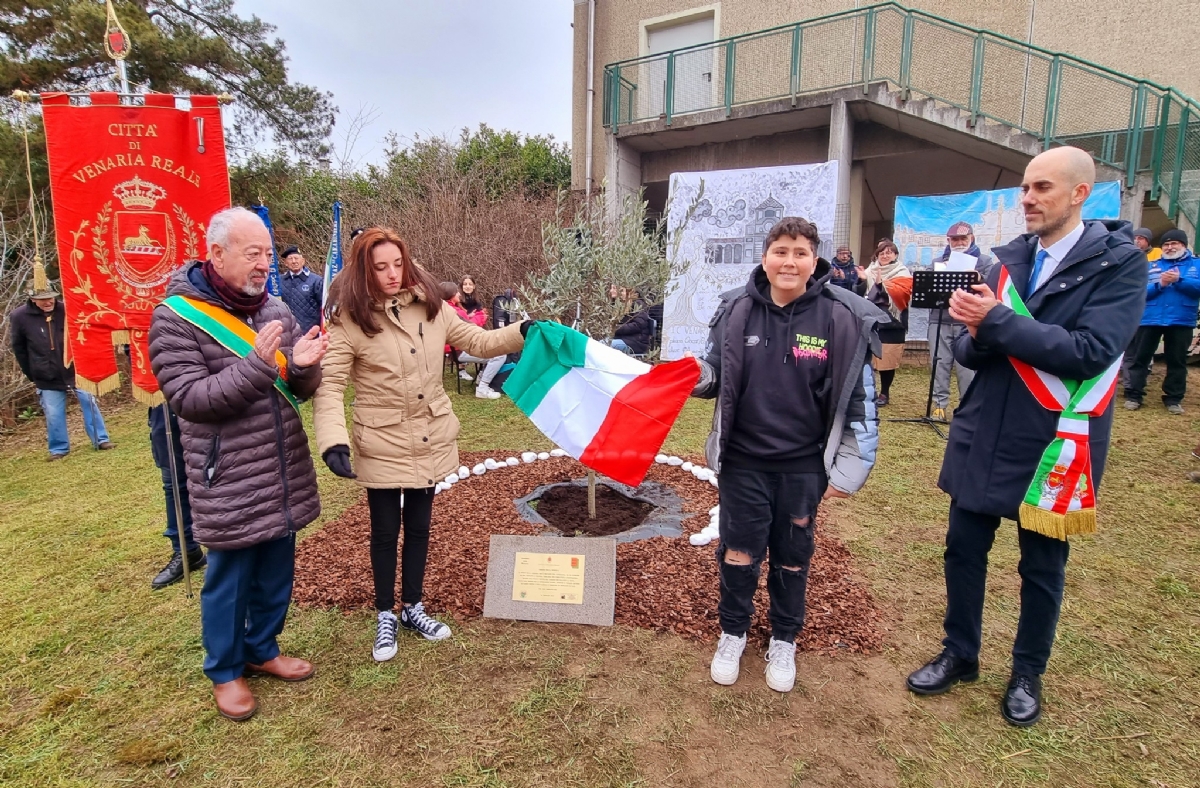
<point x="795" y="422"/>
<point x="1084" y="283"/>
<point x="250" y="474"/>
<point x="959" y="238"/>
<point x="635" y="331"/>
<point x="1172" y="299"/>
<point x="37" y="341"/>
<point x="301" y="289"/>
<point x="844" y="270"/>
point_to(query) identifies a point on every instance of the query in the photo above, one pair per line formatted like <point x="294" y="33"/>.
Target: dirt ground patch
<point x="565" y="508"/>
<point x="662" y="584"/>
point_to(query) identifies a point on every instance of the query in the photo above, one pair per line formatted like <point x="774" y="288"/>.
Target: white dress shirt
<point x="1056" y="253"/>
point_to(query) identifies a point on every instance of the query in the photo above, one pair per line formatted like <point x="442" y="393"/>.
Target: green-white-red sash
<point x="231" y="334"/>
<point x="1061" y="501"/>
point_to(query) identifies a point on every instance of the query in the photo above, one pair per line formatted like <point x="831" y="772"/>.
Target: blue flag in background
<point x="273" y="276"/>
<point x="333" y="258"/>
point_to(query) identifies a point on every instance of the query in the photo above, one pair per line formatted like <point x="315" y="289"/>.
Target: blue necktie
<point x="1037" y="273"/>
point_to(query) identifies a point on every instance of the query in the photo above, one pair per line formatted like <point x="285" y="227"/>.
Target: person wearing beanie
<point x="844" y="270"/>
<point x="300" y="289"/>
<point x="1172" y="300"/>
<point x="1144" y="240"/>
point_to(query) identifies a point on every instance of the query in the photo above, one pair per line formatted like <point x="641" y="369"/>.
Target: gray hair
<point x="222" y="222"/>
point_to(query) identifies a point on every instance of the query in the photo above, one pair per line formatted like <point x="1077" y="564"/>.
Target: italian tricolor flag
<point x="607" y="410"/>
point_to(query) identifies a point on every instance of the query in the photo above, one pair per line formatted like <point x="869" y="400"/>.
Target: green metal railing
<point x="1134" y="125"/>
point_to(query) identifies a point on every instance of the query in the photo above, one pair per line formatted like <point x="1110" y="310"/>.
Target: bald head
<point x="1056" y="185"/>
<point x="1074" y="164"/>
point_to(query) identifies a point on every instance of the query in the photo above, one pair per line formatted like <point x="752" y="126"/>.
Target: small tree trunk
<point x="591" y="495"/>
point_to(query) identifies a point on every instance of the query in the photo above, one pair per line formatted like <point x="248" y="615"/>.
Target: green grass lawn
<point x="100" y="680"/>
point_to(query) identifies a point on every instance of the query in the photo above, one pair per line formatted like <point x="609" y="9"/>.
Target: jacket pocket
<point x="444" y="424"/>
<point x="210" y="462"/>
<point x="379" y="432"/>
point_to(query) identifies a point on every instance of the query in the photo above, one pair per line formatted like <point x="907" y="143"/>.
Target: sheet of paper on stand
<point x="958" y="262"/>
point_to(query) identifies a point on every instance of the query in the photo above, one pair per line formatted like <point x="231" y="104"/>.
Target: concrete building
<point x="909" y="99"/>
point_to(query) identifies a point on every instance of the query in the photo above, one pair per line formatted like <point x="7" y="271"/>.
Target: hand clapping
<point x="310" y="348"/>
<point x="267" y="342"/>
<point x="971" y="308"/>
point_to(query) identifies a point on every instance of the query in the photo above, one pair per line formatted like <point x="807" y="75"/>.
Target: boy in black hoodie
<point x="788" y="359"/>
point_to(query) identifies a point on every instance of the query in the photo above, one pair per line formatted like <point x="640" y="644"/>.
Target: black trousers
<point x="386" y="518"/>
<point x="1043" y="572"/>
<point x="765" y="512"/>
<point x="1176" y="340"/>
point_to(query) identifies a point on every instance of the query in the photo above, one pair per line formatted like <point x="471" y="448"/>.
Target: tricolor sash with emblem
<point x="230" y="333"/>
<point x="1061" y="501"/>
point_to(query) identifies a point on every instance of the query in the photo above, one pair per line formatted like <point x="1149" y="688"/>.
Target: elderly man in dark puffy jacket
<point x="234" y="364"/>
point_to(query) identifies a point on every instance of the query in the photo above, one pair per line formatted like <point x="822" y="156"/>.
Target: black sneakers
<point x="415" y="619"/>
<point x="941" y="673"/>
<point x="173" y="571"/>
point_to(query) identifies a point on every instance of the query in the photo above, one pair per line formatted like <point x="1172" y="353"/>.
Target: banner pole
<point x="173" y="461"/>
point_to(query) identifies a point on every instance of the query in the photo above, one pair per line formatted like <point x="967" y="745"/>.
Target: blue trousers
<point x="158" y="447"/>
<point x="54" y="406"/>
<point x="1042" y="569"/>
<point x="243" y="605"/>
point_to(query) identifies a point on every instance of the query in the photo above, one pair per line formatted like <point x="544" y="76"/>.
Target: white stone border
<point x="704" y="537"/>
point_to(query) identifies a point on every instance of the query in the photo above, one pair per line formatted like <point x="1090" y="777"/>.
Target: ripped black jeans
<point x="773" y="516"/>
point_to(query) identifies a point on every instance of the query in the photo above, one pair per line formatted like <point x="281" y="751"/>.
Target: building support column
<point x="841" y="150"/>
<point x="858" y="179"/>
<point x="623" y="174"/>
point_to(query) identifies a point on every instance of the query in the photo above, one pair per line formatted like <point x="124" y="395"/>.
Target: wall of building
<point x="1131" y="37"/>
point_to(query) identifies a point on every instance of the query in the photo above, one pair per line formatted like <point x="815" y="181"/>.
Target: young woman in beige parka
<point x="387" y="330"/>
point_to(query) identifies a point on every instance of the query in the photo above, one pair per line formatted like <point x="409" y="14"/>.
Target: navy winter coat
<point x="302" y="294"/>
<point x="1085" y="316"/>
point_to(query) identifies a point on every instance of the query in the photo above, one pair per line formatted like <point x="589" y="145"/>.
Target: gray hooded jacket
<point x="852" y="423"/>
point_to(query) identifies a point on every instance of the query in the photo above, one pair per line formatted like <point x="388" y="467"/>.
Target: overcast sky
<point x="431" y="67"/>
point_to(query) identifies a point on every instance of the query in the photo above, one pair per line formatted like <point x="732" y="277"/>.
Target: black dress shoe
<point x="173" y="571"/>
<point x="941" y="673"/>
<point x="1022" y="704"/>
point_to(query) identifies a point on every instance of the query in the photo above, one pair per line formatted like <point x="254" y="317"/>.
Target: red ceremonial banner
<point x="133" y="188"/>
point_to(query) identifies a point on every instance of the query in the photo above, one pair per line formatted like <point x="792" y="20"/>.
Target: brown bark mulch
<point x="663" y="584"/>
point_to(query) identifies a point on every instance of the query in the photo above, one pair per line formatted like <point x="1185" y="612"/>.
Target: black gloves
<point x="525" y="324"/>
<point x="338" y="460"/>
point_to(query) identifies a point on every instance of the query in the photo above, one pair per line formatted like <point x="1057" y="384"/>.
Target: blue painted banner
<point x="921" y="222"/>
<point x="996" y="216"/>
<point x="273" y="275"/>
<point x="333" y="257"/>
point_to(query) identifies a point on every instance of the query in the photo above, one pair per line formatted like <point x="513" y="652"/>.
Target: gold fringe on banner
<point x="120" y="337"/>
<point x="148" y="398"/>
<point x="1057" y="526"/>
<point x="110" y="383"/>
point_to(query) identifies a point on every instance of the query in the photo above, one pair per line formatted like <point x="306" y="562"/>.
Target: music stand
<point x="931" y="290"/>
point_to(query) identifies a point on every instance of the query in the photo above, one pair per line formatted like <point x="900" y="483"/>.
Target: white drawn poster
<point x="723" y="238"/>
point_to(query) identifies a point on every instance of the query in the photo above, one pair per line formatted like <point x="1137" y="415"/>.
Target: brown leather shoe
<point x="286" y="668"/>
<point x="234" y="700"/>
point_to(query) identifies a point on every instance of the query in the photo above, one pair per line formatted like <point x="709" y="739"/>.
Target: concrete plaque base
<point x="599" y="583"/>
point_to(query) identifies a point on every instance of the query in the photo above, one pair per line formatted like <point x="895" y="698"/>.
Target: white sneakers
<point x="781" y="665"/>
<point x="462" y="373"/>
<point x="385" y="636"/>
<point x="484" y="391"/>
<point x="726" y="663"/>
<point x="781" y="662"/>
